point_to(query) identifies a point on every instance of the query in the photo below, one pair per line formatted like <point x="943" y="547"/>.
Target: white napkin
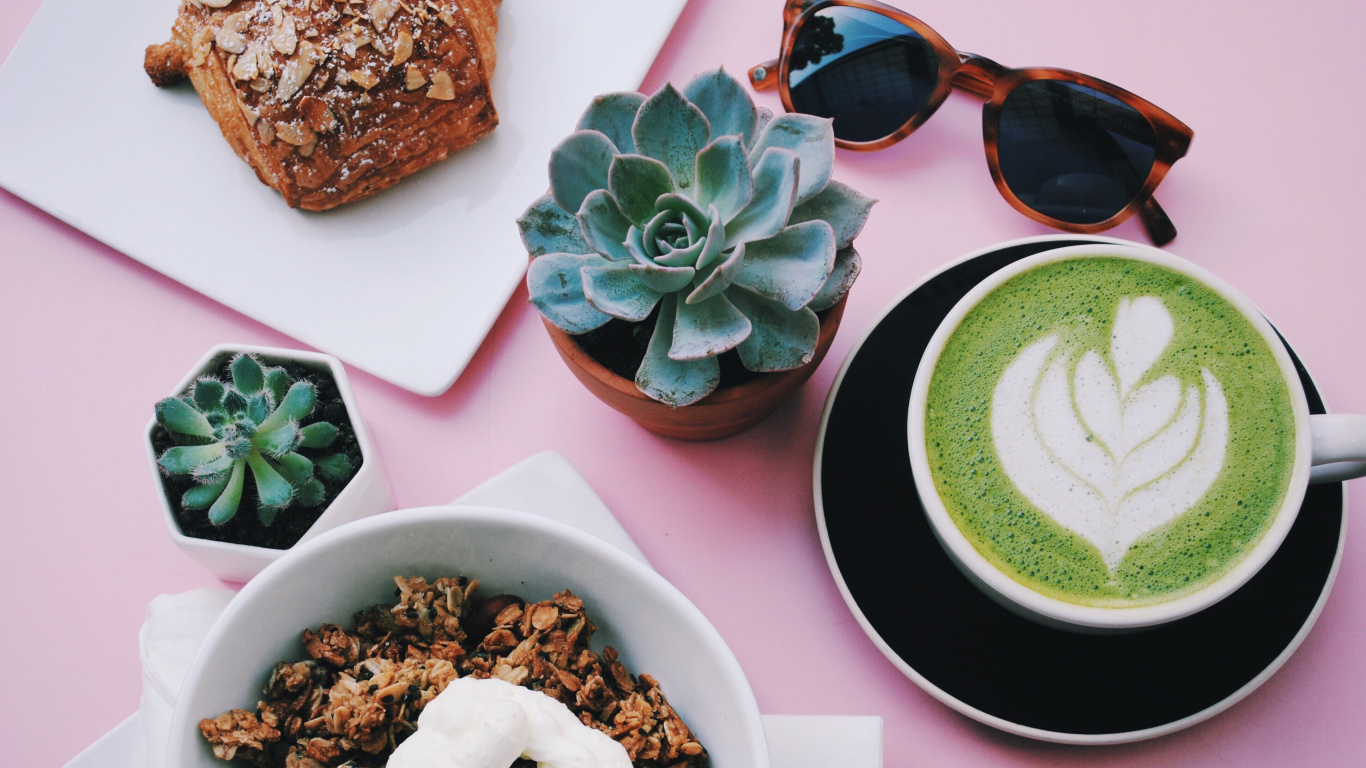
<point x="176" y="626"/>
<point x="546" y="485"/>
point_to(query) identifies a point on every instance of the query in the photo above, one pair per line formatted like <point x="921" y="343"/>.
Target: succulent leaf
<point x="310" y="493"/>
<point x="206" y="473"/>
<point x="725" y="104"/>
<point x="716" y="239"/>
<point x="613" y="114"/>
<point x="636" y="182"/>
<point x="226" y="506"/>
<point x="317" y="435"/>
<point x="234" y="403"/>
<point x="840" y="206"/>
<point x="618" y="291"/>
<point x="179" y="416"/>
<point x="782" y="339"/>
<point x="555" y="285"/>
<point x="208" y="394"/>
<point x="579" y="166"/>
<point x="297" y="403"/>
<point x="663" y="279"/>
<point x="723" y="177"/>
<point x="790" y="267"/>
<point x="548" y="228"/>
<point x="258" y="407"/>
<point x="842" y="277"/>
<point x="294" y="467"/>
<point x="247" y="374"/>
<point x="775" y="192"/>
<point x="279" y="441"/>
<point x="272" y="489"/>
<point x="672" y="130"/>
<point x="604" y="226"/>
<point x="202" y="496"/>
<point x="812" y="138"/>
<point x="335" y="467"/>
<point x="707" y="328"/>
<point x="184" y="459"/>
<point x="674" y="382"/>
<point x="720" y="277"/>
<point x="765" y="117"/>
<point x="277" y="383"/>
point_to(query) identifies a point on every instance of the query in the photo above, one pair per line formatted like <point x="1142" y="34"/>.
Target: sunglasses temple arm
<point x="1155" y="220"/>
<point x="764" y="77"/>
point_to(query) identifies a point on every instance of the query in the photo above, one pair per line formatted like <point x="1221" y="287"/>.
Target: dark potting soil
<point x="294" y="521"/>
<point x="620" y="347"/>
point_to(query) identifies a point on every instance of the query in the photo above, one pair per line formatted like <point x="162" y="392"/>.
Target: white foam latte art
<point x="1105" y="458"/>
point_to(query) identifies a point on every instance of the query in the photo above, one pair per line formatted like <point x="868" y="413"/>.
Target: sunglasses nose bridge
<point x="977" y="74"/>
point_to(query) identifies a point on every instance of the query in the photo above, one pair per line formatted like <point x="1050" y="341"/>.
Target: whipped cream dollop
<point x="489" y="723"/>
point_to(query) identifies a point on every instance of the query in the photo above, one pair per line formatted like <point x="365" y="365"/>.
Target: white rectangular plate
<point x="404" y="285"/>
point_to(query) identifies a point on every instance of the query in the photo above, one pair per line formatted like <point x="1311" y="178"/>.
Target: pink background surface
<point x="1269" y="197"/>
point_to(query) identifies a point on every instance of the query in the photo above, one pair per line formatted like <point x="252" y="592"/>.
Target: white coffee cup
<point x="1329" y="448"/>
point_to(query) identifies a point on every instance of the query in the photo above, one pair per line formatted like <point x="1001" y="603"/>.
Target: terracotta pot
<point x="722" y="413"/>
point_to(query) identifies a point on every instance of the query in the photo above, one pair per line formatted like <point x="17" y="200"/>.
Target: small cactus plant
<point x="251" y="425"/>
<point x="717" y="213"/>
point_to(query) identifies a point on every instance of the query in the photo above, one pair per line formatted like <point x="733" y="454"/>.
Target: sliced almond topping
<point x="284" y="38"/>
<point x="214" y="3"/>
<point x="251" y="114"/>
<point x="307" y="149"/>
<point x="381" y="11"/>
<point x="247" y="65"/>
<point x="403" y="47"/>
<point x="229" y="39"/>
<point x="260" y="85"/>
<point x="293" y="133"/>
<point x="442" y="87"/>
<point x="413" y="79"/>
<point x="265" y="63"/>
<point x="447" y="18"/>
<point x="364" y="79"/>
<point x="266" y="131"/>
<point x="317" y="114"/>
<point x="343" y="77"/>
<point x="297" y="70"/>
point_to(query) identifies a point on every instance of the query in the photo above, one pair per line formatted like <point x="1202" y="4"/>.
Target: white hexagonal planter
<point x="366" y="493"/>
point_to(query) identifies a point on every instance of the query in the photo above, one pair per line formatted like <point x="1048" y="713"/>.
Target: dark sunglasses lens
<point x="869" y="72"/>
<point x="1072" y="152"/>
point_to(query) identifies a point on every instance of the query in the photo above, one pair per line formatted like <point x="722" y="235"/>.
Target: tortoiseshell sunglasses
<point x="1065" y="149"/>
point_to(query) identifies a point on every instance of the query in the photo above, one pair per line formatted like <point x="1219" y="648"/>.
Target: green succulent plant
<point x="719" y="214"/>
<point x="249" y="425"/>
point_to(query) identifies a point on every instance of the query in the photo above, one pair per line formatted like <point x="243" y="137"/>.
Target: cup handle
<point x="1339" y="441"/>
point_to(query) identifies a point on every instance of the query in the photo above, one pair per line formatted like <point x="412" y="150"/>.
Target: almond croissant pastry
<point x="331" y="101"/>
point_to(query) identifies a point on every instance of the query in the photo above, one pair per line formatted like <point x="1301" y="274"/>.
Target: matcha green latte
<point x="1109" y="432"/>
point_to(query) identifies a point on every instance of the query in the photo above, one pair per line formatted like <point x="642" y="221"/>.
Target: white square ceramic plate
<point x="404" y="285"/>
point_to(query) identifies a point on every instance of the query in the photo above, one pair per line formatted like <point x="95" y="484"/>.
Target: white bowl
<point x="656" y="628"/>
<point x="366" y="493"/>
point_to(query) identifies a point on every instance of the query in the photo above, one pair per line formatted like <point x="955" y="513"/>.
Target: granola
<point x="359" y="694"/>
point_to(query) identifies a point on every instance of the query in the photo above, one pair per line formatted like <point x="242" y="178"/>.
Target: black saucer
<point x="976" y="656"/>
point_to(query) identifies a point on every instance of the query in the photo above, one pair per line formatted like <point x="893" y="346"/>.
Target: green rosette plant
<point x="250" y="425"/>
<point x="719" y="214"/>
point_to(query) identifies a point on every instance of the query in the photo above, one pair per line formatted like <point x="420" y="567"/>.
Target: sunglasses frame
<point x="985" y="78"/>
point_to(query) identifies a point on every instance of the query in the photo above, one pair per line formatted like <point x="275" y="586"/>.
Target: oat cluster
<point x="360" y="693"/>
